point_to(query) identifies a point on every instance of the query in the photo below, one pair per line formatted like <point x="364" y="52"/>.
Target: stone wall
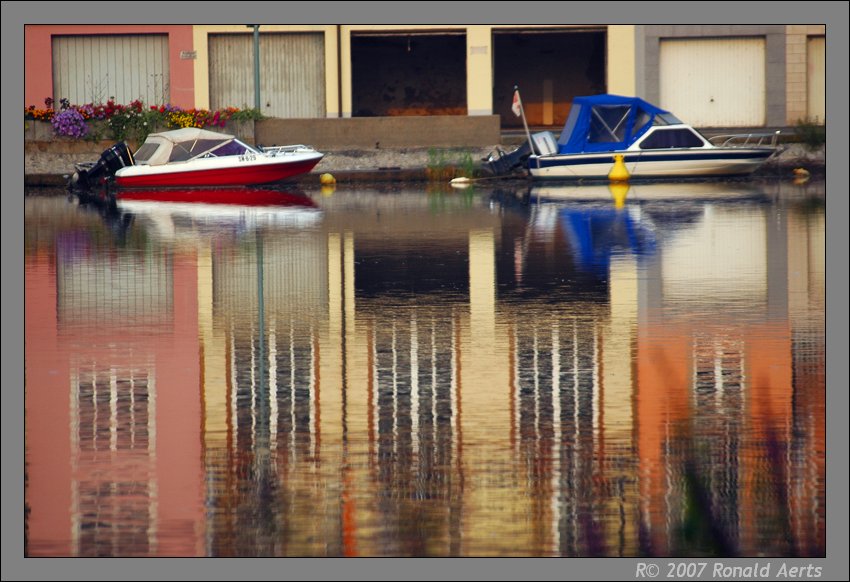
<point x="441" y="131"/>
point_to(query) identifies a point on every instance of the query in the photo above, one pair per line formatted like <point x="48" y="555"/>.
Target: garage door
<point x="94" y="69"/>
<point x="292" y="73"/>
<point x="714" y="82"/>
<point x="816" y="82"/>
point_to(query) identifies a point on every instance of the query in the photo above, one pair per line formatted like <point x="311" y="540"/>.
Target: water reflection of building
<point x="717" y="398"/>
<point x="469" y="407"/>
<point x="113" y="463"/>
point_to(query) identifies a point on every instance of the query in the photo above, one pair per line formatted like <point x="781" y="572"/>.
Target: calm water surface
<point x="558" y="372"/>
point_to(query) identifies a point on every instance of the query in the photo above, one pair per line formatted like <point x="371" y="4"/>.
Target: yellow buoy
<point x="801" y="176"/>
<point x="327" y="179"/>
<point x="618" y="193"/>
<point x="618" y="172"/>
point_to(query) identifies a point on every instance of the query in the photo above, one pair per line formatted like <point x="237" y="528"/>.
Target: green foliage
<point x="247" y="114"/>
<point x="466" y="165"/>
<point x="812" y="134"/>
<point x="442" y="165"/>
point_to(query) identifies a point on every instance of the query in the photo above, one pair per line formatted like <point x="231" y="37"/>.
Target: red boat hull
<point x="234" y="196"/>
<point x="233" y="176"/>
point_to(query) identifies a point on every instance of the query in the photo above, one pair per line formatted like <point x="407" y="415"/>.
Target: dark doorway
<point x="408" y="74"/>
<point x="550" y="68"/>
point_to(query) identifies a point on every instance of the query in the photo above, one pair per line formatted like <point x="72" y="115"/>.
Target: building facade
<point x="711" y="76"/>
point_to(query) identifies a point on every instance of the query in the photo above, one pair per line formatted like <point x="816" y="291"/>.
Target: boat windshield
<point x="667" y="119"/>
<point x="190" y="149"/>
<point x="144" y="153"/>
<point x="233" y="148"/>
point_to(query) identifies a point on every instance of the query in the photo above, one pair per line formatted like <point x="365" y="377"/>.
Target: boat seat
<point x="544" y="143"/>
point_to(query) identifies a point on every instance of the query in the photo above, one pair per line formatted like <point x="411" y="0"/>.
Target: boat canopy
<point x="602" y="123"/>
<point x="187" y="143"/>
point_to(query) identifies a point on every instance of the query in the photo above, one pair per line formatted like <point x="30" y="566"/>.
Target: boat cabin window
<point x="608" y="123"/>
<point x="666" y="119"/>
<point x="232" y="148"/>
<point x="190" y="149"/>
<point x="671" y="138"/>
<point x="146" y="152"/>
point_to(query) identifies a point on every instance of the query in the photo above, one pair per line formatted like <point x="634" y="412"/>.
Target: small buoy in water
<point x="327" y="179"/>
<point x="460" y="180"/>
<point x="619" y="190"/>
<point x="618" y="172"/>
<point x="801" y="176"/>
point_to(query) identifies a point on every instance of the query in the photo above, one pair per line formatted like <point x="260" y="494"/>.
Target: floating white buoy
<point x="460" y="180"/>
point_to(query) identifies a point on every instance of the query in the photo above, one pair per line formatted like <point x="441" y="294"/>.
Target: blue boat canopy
<point x="603" y="123"/>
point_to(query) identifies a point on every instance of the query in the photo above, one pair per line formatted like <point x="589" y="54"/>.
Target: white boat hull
<point x="668" y="164"/>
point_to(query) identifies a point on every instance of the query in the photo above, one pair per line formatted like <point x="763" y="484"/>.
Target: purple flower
<point x="70" y="123"/>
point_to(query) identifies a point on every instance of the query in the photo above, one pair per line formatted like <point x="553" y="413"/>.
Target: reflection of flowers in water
<point x="73" y="245"/>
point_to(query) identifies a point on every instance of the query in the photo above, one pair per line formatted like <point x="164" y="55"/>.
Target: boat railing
<point x="286" y="149"/>
<point x="745" y="140"/>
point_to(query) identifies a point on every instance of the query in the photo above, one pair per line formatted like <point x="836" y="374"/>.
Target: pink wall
<point x="38" y="58"/>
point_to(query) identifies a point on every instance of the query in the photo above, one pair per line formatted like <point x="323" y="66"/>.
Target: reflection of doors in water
<point x="550" y="68"/>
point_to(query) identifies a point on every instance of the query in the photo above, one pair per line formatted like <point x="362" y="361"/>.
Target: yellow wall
<point x="479" y="70"/>
<point x="621" y="60"/>
<point x="796" y="75"/>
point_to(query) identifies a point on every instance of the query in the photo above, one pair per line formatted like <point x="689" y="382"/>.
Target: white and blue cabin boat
<point x="654" y="144"/>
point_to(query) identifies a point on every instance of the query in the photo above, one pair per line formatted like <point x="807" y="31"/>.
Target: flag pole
<point x="522" y="114"/>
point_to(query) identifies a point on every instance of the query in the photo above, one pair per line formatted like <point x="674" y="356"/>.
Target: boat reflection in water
<point x="412" y="375"/>
<point x="620" y="192"/>
<point x="217" y="212"/>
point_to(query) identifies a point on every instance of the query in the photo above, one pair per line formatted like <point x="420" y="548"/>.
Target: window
<point x="189" y="149"/>
<point x="232" y="148"/>
<point x="146" y="152"/>
<point x="671" y="138"/>
<point x="667" y="119"/>
<point x="608" y="123"/>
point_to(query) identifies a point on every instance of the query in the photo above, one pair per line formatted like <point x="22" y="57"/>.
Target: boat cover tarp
<point x="602" y="123"/>
<point x="180" y="145"/>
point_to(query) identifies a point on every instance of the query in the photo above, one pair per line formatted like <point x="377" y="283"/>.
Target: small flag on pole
<point x="516" y="106"/>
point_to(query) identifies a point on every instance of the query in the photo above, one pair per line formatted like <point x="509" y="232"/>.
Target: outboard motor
<point x="93" y="174"/>
<point x="500" y="163"/>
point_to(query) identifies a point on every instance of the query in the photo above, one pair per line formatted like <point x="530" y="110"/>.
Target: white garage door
<point x="94" y="69"/>
<point x="292" y="73"/>
<point x="817" y="78"/>
<point x="714" y="82"/>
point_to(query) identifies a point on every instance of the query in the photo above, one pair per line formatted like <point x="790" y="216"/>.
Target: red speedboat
<point x="194" y="157"/>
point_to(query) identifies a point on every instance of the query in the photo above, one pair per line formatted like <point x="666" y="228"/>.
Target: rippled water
<point x="560" y="372"/>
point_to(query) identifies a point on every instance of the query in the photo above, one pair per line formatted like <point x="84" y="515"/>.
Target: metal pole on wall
<point x="256" y="28"/>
